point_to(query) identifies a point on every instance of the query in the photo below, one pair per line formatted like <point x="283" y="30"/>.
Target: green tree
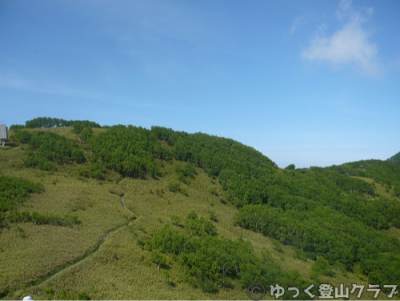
<point x="85" y="134"/>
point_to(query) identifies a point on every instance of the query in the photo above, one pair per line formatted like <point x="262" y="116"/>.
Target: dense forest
<point x="334" y="215"/>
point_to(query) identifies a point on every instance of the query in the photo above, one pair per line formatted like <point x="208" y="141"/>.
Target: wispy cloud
<point x="43" y="87"/>
<point x="21" y="84"/>
<point x="350" y="44"/>
<point x="297" y="22"/>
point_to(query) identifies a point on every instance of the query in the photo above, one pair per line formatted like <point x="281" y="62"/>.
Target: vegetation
<point x="47" y="149"/>
<point x="211" y="262"/>
<point x="233" y="216"/>
<point x="47" y="122"/>
<point x="13" y="191"/>
<point x="395" y="159"/>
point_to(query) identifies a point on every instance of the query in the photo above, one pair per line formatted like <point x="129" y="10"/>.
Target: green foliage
<point x="321" y="231"/>
<point x="83" y="296"/>
<point x="185" y="173"/>
<point x="176" y="220"/>
<point x="131" y="151"/>
<point x="13" y="191"/>
<point x="213" y="216"/>
<point x="240" y="168"/>
<point x="85" y="134"/>
<point x="321" y="266"/>
<point x="79" y="126"/>
<point x="176" y="187"/>
<point x="300" y="254"/>
<point x="383" y="172"/>
<point x="213" y="191"/>
<point x="16" y="127"/>
<point x="199" y="226"/>
<point x="23" y="136"/>
<point x="305" y="208"/>
<point x="395" y="159"/>
<point x="158" y="259"/>
<point x="211" y="262"/>
<point x="47" y="149"/>
<point x="47" y="122"/>
<point x="42" y="219"/>
<point x="397" y="190"/>
<point x="332" y="215"/>
<point x="277" y="246"/>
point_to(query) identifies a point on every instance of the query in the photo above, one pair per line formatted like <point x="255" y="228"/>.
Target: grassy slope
<point x="119" y="269"/>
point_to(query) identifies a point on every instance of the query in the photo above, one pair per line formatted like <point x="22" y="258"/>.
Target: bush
<point x="322" y="267"/>
<point x="176" y="187"/>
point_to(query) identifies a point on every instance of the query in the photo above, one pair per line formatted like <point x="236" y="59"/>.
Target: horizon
<point x="308" y="83"/>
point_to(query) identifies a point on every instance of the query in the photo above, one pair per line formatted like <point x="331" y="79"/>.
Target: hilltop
<point x="125" y="212"/>
<point x="395" y="159"/>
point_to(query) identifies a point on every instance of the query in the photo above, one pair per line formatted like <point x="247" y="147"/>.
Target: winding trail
<point x="123" y="194"/>
<point x="122" y="201"/>
<point x="85" y="256"/>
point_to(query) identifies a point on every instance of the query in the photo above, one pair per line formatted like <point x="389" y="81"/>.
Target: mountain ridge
<point x="337" y="224"/>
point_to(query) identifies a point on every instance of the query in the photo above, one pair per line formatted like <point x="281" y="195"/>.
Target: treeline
<point x="386" y="173"/>
<point x="47" y="122"/>
<point x="46" y="150"/>
<point x="136" y="152"/>
<point x="211" y="262"/>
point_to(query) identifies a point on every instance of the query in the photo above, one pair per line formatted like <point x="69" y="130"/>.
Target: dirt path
<point x="122" y="201"/>
<point x="123" y="194"/>
<point x="86" y="256"/>
<point x="79" y="261"/>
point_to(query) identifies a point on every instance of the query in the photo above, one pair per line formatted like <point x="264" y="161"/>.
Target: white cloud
<point x="349" y="45"/>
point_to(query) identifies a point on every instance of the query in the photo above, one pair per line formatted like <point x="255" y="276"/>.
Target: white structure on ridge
<point x="3" y="134"/>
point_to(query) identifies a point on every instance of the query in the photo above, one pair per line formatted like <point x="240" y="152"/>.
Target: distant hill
<point x="395" y="159"/>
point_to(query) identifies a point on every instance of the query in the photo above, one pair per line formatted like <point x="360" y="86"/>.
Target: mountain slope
<point x="109" y="194"/>
<point x="395" y="159"/>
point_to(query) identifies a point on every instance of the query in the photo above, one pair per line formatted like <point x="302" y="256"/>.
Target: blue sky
<point x="313" y="83"/>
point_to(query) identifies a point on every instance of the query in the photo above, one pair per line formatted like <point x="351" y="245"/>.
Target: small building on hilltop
<point x="3" y="134"/>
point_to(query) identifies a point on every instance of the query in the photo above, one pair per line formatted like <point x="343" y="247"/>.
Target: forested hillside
<point x="210" y="213"/>
<point x="395" y="159"/>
